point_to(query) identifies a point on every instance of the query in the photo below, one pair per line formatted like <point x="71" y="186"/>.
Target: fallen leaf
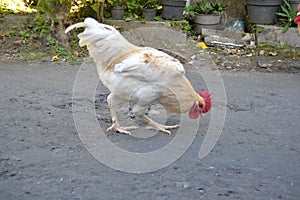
<point x="76" y="53"/>
<point x="202" y="45"/>
<point x="55" y="58"/>
<point x="18" y="42"/>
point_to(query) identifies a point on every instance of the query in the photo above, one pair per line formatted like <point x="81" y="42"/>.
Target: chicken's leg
<point x="115" y="124"/>
<point x="157" y="126"/>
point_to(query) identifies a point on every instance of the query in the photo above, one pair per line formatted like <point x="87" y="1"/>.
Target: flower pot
<point x="294" y="4"/>
<point x="208" y="21"/>
<point x="149" y="13"/>
<point x="263" y="11"/>
<point x="117" y="12"/>
<point x="172" y="9"/>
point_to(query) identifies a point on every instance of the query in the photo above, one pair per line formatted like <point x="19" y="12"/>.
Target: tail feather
<point x="91" y="24"/>
<point x="94" y="31"/>
<point x="104" y="42"/>
<point x="78" y="25"/>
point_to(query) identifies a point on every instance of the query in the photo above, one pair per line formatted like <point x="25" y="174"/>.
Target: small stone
<point x="247" y="37"/>
<point x="98" y="116"/>
<point x="263" y="64"/>
<point x="252" y="44"/>
<point x="201" y="190"/>
<point x="269" y="70"/>
<point x="183" y="184"/>
<point x="261" y="52"/>
<point x="273" y="53"/>
<point x="154" y="112"/>
<point x="16" y="158"/>
<point x="222" y="38"/>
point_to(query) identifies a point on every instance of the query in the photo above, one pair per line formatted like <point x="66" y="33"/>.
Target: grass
<point x="32" y="42"/>
<point x="26" y="43"/>
<point x="30" y="56"/>
<point x="281" y="51"/>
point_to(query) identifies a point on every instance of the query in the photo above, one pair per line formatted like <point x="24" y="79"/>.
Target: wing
<point x="149" y="65"/>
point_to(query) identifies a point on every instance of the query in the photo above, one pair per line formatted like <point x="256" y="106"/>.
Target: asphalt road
<point x="42" y="157"/>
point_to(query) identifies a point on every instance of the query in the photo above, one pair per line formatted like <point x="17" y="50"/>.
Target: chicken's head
<point x="198" y="108"/>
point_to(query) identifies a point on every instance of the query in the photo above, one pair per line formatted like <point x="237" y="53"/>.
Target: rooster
<point x="140" y="76"/>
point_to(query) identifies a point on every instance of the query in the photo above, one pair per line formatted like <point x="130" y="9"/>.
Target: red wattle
<point x="194" y="112"/>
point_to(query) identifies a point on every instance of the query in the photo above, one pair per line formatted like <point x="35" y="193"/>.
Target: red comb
<point x="207" y="98"/>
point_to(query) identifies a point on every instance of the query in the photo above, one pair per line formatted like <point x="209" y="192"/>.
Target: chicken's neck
<point x="110" y="51"/>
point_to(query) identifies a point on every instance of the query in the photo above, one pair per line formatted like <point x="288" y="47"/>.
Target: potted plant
<point x="172" y="9"/>
<point x="262" y="11"/>
<point x="149" y="8"/>
<point x="205" y="14"/>
<point x="287" y="16"/>
<point x="118" y="8"/>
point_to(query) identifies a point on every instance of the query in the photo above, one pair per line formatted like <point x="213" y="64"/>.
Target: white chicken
<point x="140" y="76"/>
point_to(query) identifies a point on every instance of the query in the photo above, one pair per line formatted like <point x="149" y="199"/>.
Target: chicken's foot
<point x="117" y="128"/>
<point x="156" y="126"/>
<point x="115" y="124"/>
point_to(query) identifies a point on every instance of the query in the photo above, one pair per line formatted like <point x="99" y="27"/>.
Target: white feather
<point x="131" y="73"/>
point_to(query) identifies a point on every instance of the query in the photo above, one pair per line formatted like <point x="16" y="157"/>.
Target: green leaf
<point x="288" y="5"/>
<point x="15" y="27"/>
<point x="285" y="28"/>
<point x="95" y="7"/>
<point x="282" y="19"/>
<point x="282" y="14"/>
<point x="285" y="10"/>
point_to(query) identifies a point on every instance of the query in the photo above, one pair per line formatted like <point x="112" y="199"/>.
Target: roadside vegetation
<point x="40" y="35"/>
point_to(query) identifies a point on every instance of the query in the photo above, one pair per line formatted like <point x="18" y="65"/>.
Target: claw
<point x="157" y="126"/>
<point x="162" y="128"/>
<point x="124" y="130"/>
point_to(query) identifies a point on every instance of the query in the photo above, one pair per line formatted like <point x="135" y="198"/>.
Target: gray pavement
<point x="42" y="156"/>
